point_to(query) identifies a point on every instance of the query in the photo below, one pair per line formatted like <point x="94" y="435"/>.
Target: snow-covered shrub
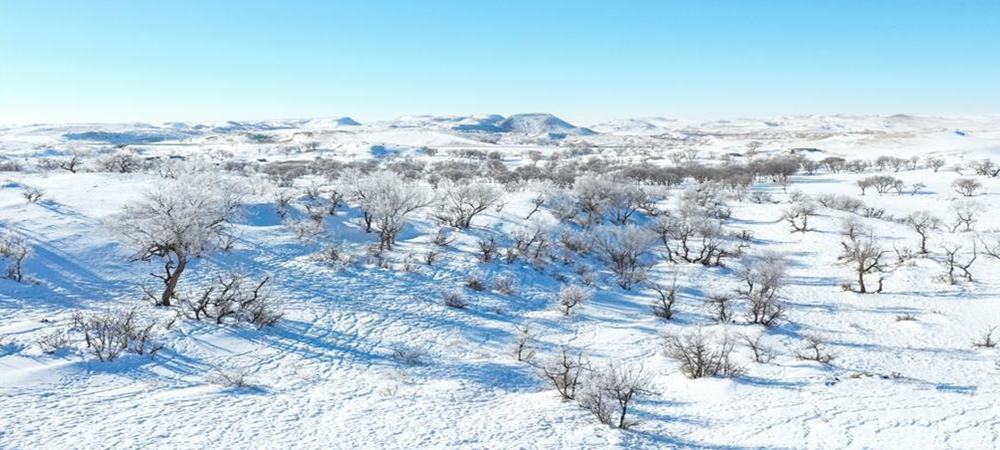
<point x="475" y="281"/>
<point x="565" y="372"/>
<point x="12" y="166"/>
<point x="185" y="217"/>
<point x="505" y="284"/>
<point x="986" y="340"/>
<point x="985" y="167"/>
<point x="488" y="249"/>
<point x="52" y="342"/>
<point x="952" y="261"/>
<point x="572" y="295"/>
<point x="692" y="238"/>
<point x="611" y="390"/>
<point x="232" y="378"/>
<point x="454" y="299"/>
<point x="763" y="277"/>
<point x="233" y="298"/>
<point x="663" y="307"/>
<point x="625" y="249"/>
<point x="721" y="306"/>
<point x="761" y="353"/>
<point x="966" y="214"/>
<point x="814" y="349"/>
<point x="523" y="346"/>
<point x="307" y="231"/>
<point x="700" y="357"/>
<point x="14" y="250"/>
<point x="112" y="332"/>
<point x="841" y="202"/>
<point x="409" y="356"/>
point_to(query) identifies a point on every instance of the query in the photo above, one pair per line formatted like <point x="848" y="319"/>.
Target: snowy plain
<point x="325" y="376"/>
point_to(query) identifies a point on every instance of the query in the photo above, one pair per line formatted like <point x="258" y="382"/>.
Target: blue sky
<point x="71" y="61"/>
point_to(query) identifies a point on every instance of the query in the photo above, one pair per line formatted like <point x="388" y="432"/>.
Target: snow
<point x="325" y="376"/>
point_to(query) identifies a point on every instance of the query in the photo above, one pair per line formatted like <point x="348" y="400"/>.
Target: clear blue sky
<point x="153" y="61"/>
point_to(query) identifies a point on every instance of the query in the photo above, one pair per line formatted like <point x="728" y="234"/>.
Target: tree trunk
<point x="172" y="279"/>
<point x="861" y="281"/>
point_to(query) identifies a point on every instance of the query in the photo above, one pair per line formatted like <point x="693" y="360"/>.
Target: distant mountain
<point x="540" y="123"/>
<point x="331" y="123"/>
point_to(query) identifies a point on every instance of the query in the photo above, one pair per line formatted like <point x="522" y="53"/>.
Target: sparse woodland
<point x="605" y="279"/>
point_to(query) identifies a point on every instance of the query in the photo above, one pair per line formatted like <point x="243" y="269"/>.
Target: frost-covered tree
<point x="14" y="250"/>
<point x="763" y="276"/>
<point x="460" y="202"/>
<point x="185" y="217"/>
<point x="623" y="249"/>
<point x="386" y="202"/>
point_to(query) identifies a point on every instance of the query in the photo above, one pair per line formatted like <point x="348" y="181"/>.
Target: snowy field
<point x="405" y="333"/>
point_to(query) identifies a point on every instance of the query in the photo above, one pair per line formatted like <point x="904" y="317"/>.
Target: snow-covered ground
<point x="905" y="373"/>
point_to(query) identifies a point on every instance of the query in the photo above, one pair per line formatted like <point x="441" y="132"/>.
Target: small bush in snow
<point x="987" y="340"/>
<point x="663" y="307"/>
<point x="700" y="357"/>
<point x="761" y="353"/>
<point x="233" y="298"/>
<point x="233" y="379"/>
<point x="624" y="249"/>
<point x="14" y="250"/>
<point x="475" y="281"/>
<point x="814" y="349"/>
<point x="454" y="299"/>
<point x="488" y="249"/>
<point x="52" y="342"/>
<point x="111" y="333"/>
<point x="565" y="373"/>
<point x="32" y="194"/>
<point x="611" y="391"/>
<point x="505" y="284"/>
<point x="524" y="345"/>
<point x="409" y="356"/>
<point x="572" y="295"/>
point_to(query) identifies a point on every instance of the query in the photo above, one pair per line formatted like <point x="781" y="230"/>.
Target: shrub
<point x="409" y="356"/>
<point x="233" y="298"/>
<point x="611" y="391"/>
<point x="699" y="357"/>
<point x="814" y="349"/>
<point x="53" y="342"/>
<point x="663" y="307"/>
<point x="987" y="340"/>
<point x="32" y="194"/>
<point x="565" y="373"/>
<point x="761" y="354"/>
<point x="111" y="333"/>
<point x="14" y="250"/>
<point x="572" y="295"/>
<point x="454" y="299"/>
<point x="505" y="284"/>
<point x="524" y="345"/>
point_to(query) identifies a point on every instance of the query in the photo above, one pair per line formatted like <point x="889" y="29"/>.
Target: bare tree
<point x="761" y="353"/>
<point x="864" y="256"/>
<point x="664" y="306"/>
<point x="923" y="222"/>
<point x="183" y="218"/>
<point x="524" y="344"/>
<point x="967" y="187"/>
<point x="987" y="340"/>
<point x="565" y="372"/>
<point x="934" y="163"/>
<point x="814" y="349"/>
<point x="966" y="214"/>
<point x="951" y="259"/>
<point x="233" y="297"/>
